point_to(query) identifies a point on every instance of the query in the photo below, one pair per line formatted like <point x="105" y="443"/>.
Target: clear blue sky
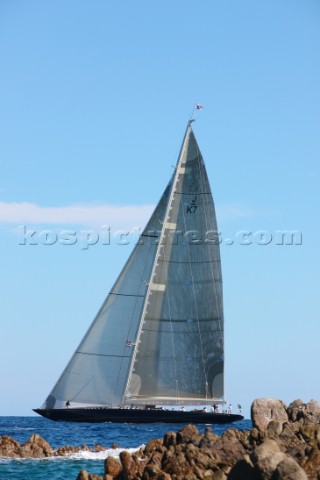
<point x="94" y="100"/>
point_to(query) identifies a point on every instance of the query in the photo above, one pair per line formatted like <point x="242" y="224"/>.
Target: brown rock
<point x="31" y="451"/>
<point x="36" y="439"/>
<point x="281" y="446"/>
<point x="36" y="447"/>
<point x="312" y="465"/>
<point x="295" y="410"/>
<point x="209" y="438"/>
<point x="138" y="459"/>
<point x="229" y="447"/>
<point x="67" y="450"/>
<point x="9" y="447"/>
<point x="112" y="466"/>
<point x="152" y="471"/>
<point x="168" y="459"/>
<point x="311" y="433"/>
<point x="219" y="475"/>
<point x="188" y="434"/>
<point x="256" y="436"/>
<point x="169" y="439"/>
<point x="83" y="475"/>
<point x="156" y="458"/>
<point x="153" y="468"/>
<point x="153" y="445"/>
<point x="274" y="428"/>
<point x="266" y="457"/>
<point x="305" y="413"/>
<point x="289" y="430"/>
<point x="176" y="464"/>
<point x="97" y="448"/>
<point x="312" y="413"/>
<point x="263" y="410"/>
<point x="129" y="466"/>
<point x="126" y="461"/>
<point x="295" y="449"/>
<point x="201" y="458"/>
<point x="242" y="470"/>
<point x="288" y="469"/>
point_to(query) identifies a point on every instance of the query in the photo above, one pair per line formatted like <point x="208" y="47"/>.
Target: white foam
<point x="82" y="455"/>
<point x="113" y="452"/>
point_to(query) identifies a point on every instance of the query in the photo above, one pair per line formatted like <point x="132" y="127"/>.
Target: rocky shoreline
<point x="283" y="444"/>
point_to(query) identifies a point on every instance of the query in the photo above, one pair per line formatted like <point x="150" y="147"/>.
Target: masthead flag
<point x="199" y="107"/>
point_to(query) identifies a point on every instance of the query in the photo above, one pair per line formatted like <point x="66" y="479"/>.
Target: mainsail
<point x="158" y="337"/>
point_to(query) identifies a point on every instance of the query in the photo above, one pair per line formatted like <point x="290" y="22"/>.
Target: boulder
<point x="295" y="410"/>
<point x="266" y="457"/>
<point x="67" y="450"/>
<point x="9" y="447"/>
<point x="188" y="434"/>
<point x="169" y="439"/>
<point x="304" y="413"/>
<point x="274" y="428"/>
<point x="263" y="410"/>
<point x="312" y="413"/>
<point x="229" y="447"/>
<point x="208" y="439"/>
<point x="96" y="448"/>
<point x="129" y="466"/>
<point x="311" y="434"/>
<point x="112" y="466"/>
<point x="84" y="475"/>
<point x="35" y="447"/>
<point x="200" y="458"/>
<point x="178" y="463"/>
<point x="312" y="465"/>
<point x="154" y="444"/>
<point x="242" y="470"/>
<point x="288" y="469"/>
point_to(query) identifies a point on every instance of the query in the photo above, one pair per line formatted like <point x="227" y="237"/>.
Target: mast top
<point x="197" y="106"/>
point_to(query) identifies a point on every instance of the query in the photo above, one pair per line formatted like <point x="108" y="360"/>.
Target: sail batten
<point x="159" y="333"/>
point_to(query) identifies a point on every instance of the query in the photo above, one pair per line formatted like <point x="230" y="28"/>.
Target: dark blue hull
<point x="120" y="415"/>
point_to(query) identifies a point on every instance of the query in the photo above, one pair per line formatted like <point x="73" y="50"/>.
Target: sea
<point x="128" y="437"/>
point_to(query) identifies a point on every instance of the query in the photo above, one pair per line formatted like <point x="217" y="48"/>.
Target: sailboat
<point x="155" y="350"/>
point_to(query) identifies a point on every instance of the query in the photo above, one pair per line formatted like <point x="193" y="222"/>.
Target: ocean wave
<point x="81" y="455"/>
<point x="113" y="452"/>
